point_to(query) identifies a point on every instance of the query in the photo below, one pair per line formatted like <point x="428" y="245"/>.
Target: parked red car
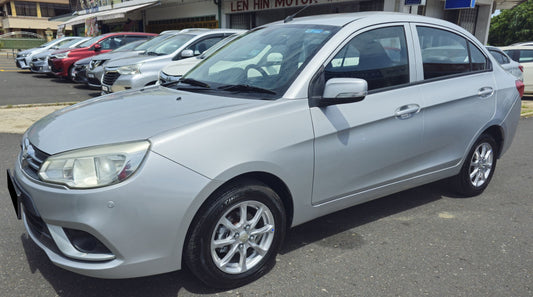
<point x="62" y="62"/>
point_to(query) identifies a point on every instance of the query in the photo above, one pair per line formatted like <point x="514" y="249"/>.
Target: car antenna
<point x="291" y="17"/>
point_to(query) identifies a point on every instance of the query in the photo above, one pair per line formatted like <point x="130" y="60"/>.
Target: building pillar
<point x="483" y="22"/>
<point x="13" y="10"/>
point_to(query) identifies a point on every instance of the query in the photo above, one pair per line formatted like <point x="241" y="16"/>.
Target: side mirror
<point x="343" y="90"/>
<point x="187" y="53"/>
<point x="97" y="47"/>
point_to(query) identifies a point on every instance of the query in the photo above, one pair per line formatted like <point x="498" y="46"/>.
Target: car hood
<point x="117" y="55"/>
<point x="128" y="116"/>
<point x="83" y="61"/>
<point x="180" y="67"/>
<point x="135" y="60"/>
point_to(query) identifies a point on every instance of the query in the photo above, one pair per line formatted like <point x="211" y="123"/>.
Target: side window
<point x="445" y="53"/>
<point x="499" y="57"/>
<point x="112" y="42"/>
<point x="513" y="54"/>
<point x="204" y="44"/>
<point x="526" y="56"/>
<point x="378" y="56"/>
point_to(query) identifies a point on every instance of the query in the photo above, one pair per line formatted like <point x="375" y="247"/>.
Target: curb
<point x="36" y="105"/>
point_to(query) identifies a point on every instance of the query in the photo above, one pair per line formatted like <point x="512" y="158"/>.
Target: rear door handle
<point x="407" y="111"/>
<point x="485" y="92"/>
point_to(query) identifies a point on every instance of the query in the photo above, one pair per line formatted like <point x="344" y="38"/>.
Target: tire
<point x="227" y="250"/>
<point x="478" y="167"/>
<point x="71" y="74"/>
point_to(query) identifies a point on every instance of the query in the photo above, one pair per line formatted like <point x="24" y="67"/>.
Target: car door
<point x="458" y="90"/>
<point x="363" y="146"/>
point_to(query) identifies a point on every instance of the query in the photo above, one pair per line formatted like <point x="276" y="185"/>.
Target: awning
<point x="116" y="13"/>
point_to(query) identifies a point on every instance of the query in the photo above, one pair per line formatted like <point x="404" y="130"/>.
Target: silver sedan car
<point x="291" y="121"/>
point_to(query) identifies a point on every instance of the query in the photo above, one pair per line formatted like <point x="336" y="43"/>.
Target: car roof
<point x="344" y="19"/>
<point x="517" y="47"/>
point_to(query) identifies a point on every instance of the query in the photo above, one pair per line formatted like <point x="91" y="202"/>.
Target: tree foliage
<point x="512" y="25"/>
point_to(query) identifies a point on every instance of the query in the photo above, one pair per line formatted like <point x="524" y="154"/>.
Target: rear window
<point x="445" y="53"/>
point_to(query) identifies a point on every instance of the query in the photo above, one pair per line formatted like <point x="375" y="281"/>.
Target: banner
<point x="91" y="27"/>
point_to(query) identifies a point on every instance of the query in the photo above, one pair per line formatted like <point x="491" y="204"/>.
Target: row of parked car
<point x="129" y="60"/>
<point x="125" y="60"/>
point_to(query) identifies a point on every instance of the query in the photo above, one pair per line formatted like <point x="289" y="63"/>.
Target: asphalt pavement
<point x="421" y="242"/>
<point x="24" y="87"/>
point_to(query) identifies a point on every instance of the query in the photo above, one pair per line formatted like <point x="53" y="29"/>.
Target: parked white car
<point x="523" y="54"/>
<point x="291" y="121"/>
<point x="176" y="69"/>
<point x="507" y="63"/>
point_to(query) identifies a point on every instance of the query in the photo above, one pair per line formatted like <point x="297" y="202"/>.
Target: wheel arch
<point x="497" y="133"/>
<point x="270" y="180"/>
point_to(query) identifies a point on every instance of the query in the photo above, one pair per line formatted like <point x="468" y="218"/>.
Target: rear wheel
<point x="235" y="238"/>
<point x="478" y="168"/>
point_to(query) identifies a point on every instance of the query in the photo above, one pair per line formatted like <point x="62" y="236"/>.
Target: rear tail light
<point x="521" y="68"/>
<point x="520" y="87"/>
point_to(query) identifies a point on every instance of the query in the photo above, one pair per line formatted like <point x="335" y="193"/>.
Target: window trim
<point x="318" y="77"/>
<point x="418" y="51"/>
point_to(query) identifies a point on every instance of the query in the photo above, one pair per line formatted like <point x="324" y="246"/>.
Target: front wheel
<point x="478" y="168"/>
<point x="234" y="239"/>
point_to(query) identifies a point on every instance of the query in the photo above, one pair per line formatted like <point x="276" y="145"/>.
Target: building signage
<point x="414" y="2"/>
<point x="236" y="6"/>
<point x="456" y="4"/>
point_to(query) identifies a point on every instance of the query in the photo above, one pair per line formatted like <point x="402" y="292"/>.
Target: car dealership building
<point x="156" y="16"/>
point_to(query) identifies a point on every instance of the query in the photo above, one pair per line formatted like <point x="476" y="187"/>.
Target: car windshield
<point x="68" y="43"/>
<point x="261" y="64"/>
<point x="89" y="42"/>
<point x="129" y="46"/>
<point x="152" y="42"/>
<point x="170" y="45"/>
<point x="48" y="43"/>
<point x="217" y="46"/>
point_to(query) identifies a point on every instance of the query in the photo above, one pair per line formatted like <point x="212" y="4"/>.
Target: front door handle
<point x="407" y="111"/>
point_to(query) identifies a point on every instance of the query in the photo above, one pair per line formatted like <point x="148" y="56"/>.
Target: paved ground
<point x="421" y="242"/>
<point x="24" y="87"/>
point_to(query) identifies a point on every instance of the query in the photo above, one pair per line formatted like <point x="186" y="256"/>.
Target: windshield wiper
<point x="151" y="54"/>
<point x="194" y="82"/>
<point x="246" y="88"/>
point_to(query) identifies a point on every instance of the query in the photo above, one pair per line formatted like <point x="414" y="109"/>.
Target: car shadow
<point x="332" y="227"/>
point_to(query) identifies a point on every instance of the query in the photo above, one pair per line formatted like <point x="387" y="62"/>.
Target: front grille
<point x="93" y="81"/>
<point x="32" y="159"/>
<point x="110" y="77"/>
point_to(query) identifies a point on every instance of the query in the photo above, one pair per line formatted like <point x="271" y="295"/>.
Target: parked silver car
<point x="39" y="62"/>
<point x="24" y="57"/>
<point x="143" y="70"/>
<point x="291" y="121"/>
<point x="95" y="69"/>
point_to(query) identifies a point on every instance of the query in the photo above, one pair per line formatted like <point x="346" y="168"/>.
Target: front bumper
<point x="60" y="67"/>
<point x="39" y="66"/>
<point x="141" y="222"/>
<point x="113" y="82"/>
<point x="22" y="63"/>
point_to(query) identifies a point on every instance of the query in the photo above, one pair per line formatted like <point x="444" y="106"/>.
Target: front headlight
<point x="61" y="55"/>
<point x="94" y="166"/>
<point x="130" y="69"/>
